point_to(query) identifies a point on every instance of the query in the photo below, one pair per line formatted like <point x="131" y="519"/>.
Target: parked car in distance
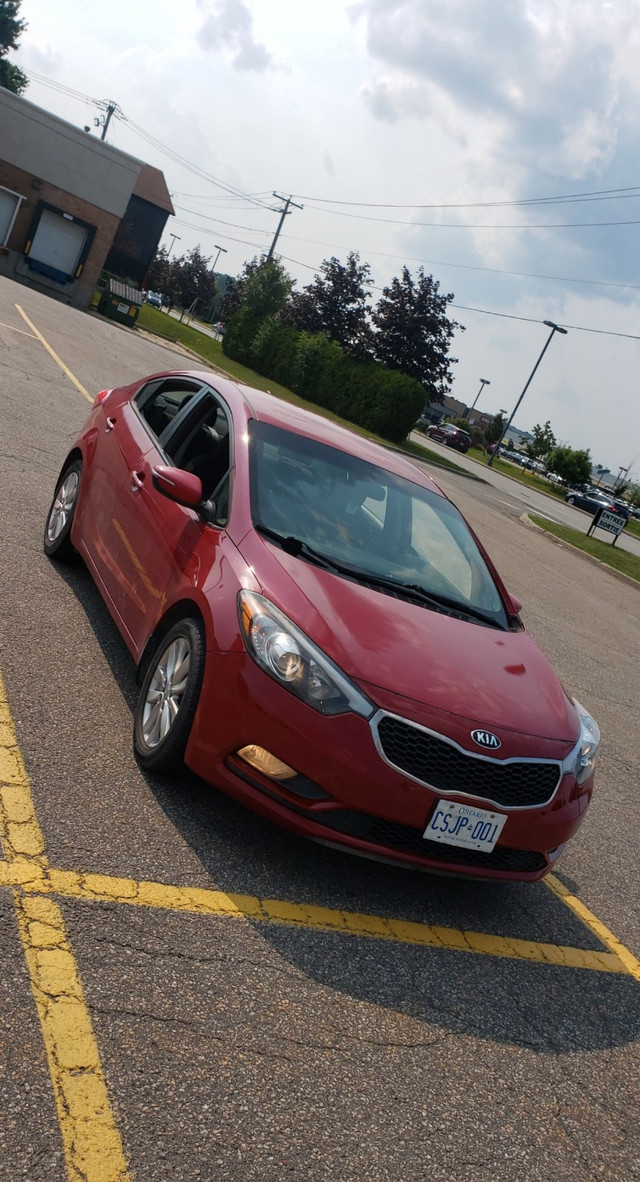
<point x="450" y="435"/>
<point x="154" y="298"/>
<point x="590" y="499"/>
<point x="318" y="632"/>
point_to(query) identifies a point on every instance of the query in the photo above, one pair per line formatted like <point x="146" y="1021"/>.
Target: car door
<point x="154" y="541"/>
<point x="132" y="431"/>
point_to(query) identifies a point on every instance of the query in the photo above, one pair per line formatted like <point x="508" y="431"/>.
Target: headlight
<point x="580" y="762"/>
<point x="294" y="661"/>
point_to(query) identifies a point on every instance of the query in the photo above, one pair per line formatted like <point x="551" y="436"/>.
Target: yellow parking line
<point x="13" y="328"/>
<point x="104" y="888"/>
<point x="91" y="1142"/>
<point x="606" y="937"/>
<point x="65" y="369"/>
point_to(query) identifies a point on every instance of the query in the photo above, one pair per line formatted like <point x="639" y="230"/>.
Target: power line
<point x="592" y="195"/>
<point x="502" y="315"/>
<point x="150" y="139"/>
<point x="469" y="266"/>
<point x="470" y="225"/>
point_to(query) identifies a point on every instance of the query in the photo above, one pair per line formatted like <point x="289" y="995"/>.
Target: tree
<point x="11" y="29"/>
<point x="158" y="276"/>
<point x="542" y="443"/>
<point x="414" y="332"/>
<point x="234" y="291"/>
<point x="263" y="296"/>
<point x="494" y="430"/>
<point x="336" y="304"/>
<point x="573" y="467"/>
<point x="191" y="279"/>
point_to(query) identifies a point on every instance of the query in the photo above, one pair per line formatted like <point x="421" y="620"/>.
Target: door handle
<point x="137" y="481"/>
<point x="110" y="424"/>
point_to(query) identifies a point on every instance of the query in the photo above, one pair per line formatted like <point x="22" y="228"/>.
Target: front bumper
<point x="347" y="794"/>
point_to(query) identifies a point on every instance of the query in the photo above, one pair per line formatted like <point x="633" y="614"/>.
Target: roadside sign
<point x="612" y="523"/>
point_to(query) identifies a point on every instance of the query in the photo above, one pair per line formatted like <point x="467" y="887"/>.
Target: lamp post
<point x="174" y="238"/>
<point x="554" y="328"/>
<point x="220" y="250"/>
<point x="483" y="382"/>
<point x="622" y="473"/>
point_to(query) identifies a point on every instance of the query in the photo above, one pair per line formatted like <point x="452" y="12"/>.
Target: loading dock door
<point x="57" y="245"/>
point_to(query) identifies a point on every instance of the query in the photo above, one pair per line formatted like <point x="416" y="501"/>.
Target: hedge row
<point x="364" y="392"/>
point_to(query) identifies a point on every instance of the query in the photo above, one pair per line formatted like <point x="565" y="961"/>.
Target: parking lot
<point x="190" y="993"/>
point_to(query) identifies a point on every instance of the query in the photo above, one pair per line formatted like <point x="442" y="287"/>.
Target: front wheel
<point x="169" y="697"/>
<point x="57" y="531"/>
<point x="571" y="500"/>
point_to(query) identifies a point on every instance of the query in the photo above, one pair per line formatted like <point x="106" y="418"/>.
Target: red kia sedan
<point x="318" y="632"/>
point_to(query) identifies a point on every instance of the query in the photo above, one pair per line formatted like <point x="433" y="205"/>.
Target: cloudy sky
<point x="493" y="142"/>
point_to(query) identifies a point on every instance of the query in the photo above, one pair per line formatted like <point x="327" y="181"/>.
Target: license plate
<point x="465" y="825"/>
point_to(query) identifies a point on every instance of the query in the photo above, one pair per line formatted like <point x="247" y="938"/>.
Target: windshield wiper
<point x="297" y="547"/>
<point x="430" y="599"/>
<point x="414" y="591"/>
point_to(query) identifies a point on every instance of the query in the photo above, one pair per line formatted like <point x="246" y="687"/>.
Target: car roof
<point x="266" y="407"/>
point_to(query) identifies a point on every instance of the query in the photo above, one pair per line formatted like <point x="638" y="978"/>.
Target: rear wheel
<point x="169" y="697"/>
<point x="571" y="500"/>
<point x="57" y="540"/>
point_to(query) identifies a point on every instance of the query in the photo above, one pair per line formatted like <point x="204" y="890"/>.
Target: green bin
<point x="120" y="302"/>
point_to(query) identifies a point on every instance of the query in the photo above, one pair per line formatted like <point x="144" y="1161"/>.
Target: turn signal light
<point x="263" y="761"/>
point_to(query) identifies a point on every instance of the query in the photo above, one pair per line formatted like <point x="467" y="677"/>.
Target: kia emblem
<point x="486" y="739"/>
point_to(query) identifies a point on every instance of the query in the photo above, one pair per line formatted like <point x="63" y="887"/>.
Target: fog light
<point x="266" y="763"/>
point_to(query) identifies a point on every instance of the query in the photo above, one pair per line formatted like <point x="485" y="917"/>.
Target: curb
<point x="618" y="574"/>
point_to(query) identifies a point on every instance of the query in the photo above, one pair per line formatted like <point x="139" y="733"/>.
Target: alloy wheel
<point x="62" y="507"/>
<point x="166" y="692"/>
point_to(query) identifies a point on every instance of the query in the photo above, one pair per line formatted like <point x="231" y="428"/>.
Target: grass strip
<point x="605" y="552"/>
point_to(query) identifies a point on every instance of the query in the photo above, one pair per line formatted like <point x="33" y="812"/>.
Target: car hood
<point x="394" y="647"/>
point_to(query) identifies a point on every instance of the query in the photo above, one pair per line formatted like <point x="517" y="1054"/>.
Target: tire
<point x="57" y="540"/>
<point x="571" y="500"/>
<point x="169" y="697"/>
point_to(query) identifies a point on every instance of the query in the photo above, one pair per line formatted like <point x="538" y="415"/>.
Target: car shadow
<point x="550" y="1008"/>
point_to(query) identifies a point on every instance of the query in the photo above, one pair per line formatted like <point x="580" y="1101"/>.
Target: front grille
<point x="407" y="840"/>
<point x="438" y="764"/>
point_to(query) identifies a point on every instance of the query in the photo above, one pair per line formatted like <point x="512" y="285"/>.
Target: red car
<point x="450" y="435"/>
<point x="318" y="632"/>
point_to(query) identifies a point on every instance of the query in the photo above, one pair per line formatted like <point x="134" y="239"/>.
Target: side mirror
<point x="182" y="487"/>
<point x="514" y="604"/>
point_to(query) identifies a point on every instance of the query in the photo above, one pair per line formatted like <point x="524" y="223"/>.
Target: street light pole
<point x="622" y="473"/>
<point x="554" y="328"/>
<point x="483" y="382"/>
<point x="220" y="250"/>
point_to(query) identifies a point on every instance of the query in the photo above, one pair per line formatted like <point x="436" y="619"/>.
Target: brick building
<point x="67" y="199"/>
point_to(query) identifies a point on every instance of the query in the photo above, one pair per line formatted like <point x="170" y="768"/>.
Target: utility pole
<point x="174" y="238"/>
<point x="110" y="108"/>
<point x="554" y="328"/>
<point x="283" y="213"/>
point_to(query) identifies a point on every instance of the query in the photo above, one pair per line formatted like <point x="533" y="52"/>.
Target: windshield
<point x="360" y="515"/>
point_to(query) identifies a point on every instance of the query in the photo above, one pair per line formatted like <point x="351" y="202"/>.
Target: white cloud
<point x="391" y="105"/>
<point x="229" y="26"/>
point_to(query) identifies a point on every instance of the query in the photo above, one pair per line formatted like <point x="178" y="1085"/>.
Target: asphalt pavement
<point x="248" y="1006"/>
